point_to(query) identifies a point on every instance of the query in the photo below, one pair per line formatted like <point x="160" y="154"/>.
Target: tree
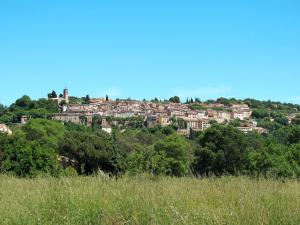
<point x="53" y="94"/>
<point x="96" y="121"/>
<point x="140" y="161"/>
<point x="44" y="131"/>
<point x="49" y="105"/>
<point x="172" y="156"/>
<point x="168" y="130"/>
<point x="106" y="98"/>
<point x="8" y="118"/>
<point x="32" y="149"/>
<point x="223" y="101"/>
<point x="87" y="99"/>
<point x="204" y="162"/>
<point x="259" y="161"/>
<point x="282" y="120"/>
<point x="90" y="151"/>
<point x="83" y="120"/>
<point x="197" y="100"/>
<point x="235" y="123"/>
<point x="293" y="155"/>
<point x="175" y="99"/>
<point x="178" y="123"/>
<point x="39" y="113"/>
<point x="261" y="113"/>
<point x="2" y="109"/>
<point x="296" y="120"/>
<point x="155" y="100"/>
<point x="227" y="143"/>
<point x="75" y="100"/>
<point x="23" y="102"/>
<point x="293" y="134"/>
<point x="29" y="158"/>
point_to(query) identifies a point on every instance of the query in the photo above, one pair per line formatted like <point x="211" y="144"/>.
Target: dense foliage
<point x="32" y="149"/>
<point x="36" y="147"/>
<point x="24" y="106"/>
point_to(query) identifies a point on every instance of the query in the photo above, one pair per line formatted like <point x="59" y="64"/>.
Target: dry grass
<point x="143" y="200"/>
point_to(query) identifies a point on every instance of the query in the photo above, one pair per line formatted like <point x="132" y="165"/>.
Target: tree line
<point x="38" y="147"/>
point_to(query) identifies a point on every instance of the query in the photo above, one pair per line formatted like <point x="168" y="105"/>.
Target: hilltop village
<point x="111" y="113"/>
<point x="162" y="137"/>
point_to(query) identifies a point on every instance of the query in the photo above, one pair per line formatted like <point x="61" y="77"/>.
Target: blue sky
<point x="151" y="48"/>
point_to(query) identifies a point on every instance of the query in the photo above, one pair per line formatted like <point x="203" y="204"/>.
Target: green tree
<point x="168" y="130"/>
<point x="91" y="152"/>
<point x="293" y="134"/>
<point x="23" y="102"/>
<point x="197" y="100"/>
<point x="175" y="99"/>
<point x="227" y="143"/>
<point x="296" y="120"/>
<point x="52" y="94"/>
<point x="204" y="162"/>
<point x="173" y="155"/>
<point x="260" y="113"/>
<point x="87" y="99"/>
<point x="2" y="109"/>
<point x="30" y="158"/>
<point x="33" y="149"/>
<point x="83" y="120"/>
<point x="44" y="131"/>
<point x="96" y="121"/>
<point x="293" y="159"/>
<point x="282" y="120"/>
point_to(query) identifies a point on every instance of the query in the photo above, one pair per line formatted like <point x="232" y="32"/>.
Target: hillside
<point x="44" y="146"/>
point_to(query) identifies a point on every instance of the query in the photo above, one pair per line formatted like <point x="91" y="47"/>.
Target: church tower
<point x="66" y="95"/>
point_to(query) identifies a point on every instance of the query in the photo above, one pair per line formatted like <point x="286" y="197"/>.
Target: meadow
<point x="149" y="200"/>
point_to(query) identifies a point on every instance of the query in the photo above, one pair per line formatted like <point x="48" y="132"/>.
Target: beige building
<point x="202" y="114"/>
<point x="245" y="130"/>
<point x="197" y="124"/>
<point x="241" y="111"/>
<point x="212" y="114"/>
<point x="164" y="120"/>
<point x="223" y="116"/>
<point x="261" y="130"/>
<point x="5" y="129"/>
<point x="240" y="107"/>
<point x="237" y="115"/>
<point x="249" y="129"/>
<point x="24" y="119"/>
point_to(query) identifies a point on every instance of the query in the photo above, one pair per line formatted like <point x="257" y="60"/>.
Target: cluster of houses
<point x="152" y="113"/>
<point x="155" y="113"/>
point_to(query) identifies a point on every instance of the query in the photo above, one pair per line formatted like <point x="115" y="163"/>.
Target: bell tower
<point x="66" y="95"/>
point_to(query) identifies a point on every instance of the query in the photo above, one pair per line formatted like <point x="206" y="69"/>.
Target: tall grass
<point x="143" y="200"/>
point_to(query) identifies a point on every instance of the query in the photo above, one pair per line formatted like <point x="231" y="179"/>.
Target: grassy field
<point x="142" y="200"/>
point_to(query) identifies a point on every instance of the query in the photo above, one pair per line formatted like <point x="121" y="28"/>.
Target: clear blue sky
<point x="151" y="48"/>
